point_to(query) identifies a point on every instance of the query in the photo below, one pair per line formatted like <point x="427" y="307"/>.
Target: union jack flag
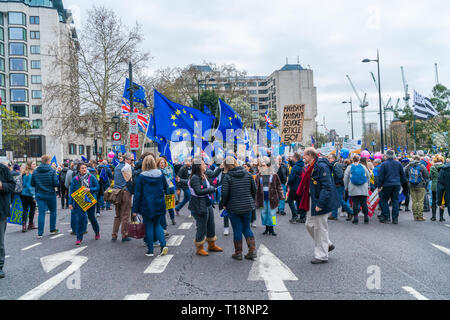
<point x="268" y="121"/>
<point x="143" y="121"/>
<point x="126" y="107"/>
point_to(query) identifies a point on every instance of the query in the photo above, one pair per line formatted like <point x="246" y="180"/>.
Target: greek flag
<point x="423" y="109"/>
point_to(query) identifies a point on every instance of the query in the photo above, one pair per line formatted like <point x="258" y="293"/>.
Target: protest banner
<point x="16" y="211"/>
<point x="292" y="123"/>
<point x="354" y="146"/>
<point x="84" y="199"/>
<point x="170" y="201"/>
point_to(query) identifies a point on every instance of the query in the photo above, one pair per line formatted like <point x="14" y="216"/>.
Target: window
<point x="34" y="20"/>
<point x="1" y="18"/>
<point x="18" y="79"/>
<point x="17" y="34"/>
<point x="3" y="95"/>
<point x="262" y="84"/>
<point x="17" y="49"/>
<point x="254" y="107"/>
<point x="2" y="80"/>
<point x="36" y="94"/>
<point x="72" y="148"/>
<point x="263" y="91"/>
<point x="35" y="35"/>
<point x="16" y="64"/>
<point x="36" y="79"/>
<point x="80" y="149"/>
<point x="252" y="92"/>
<point x="251" y="84"/>
<point x="2" y="49"/>
<point x="2" y="34"/>
<point x="35" y="49"/>
<point x="2" y="64"/>
<point x="36" y="124"/>
<point x="21" y="110"/>
<point x="35" y="64"/>
<point x="17" y="18"/>
<point x="19" y="95"/>
<point x="36" y="109"/>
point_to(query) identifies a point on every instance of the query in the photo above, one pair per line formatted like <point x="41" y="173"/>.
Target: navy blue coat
<point x="390" y="174"/>
<point x="149" y="194"/>
<point x="294" y="176"/>
<point x="76" y="184"/>
<point x="322" y="188"/>
<point x="44" y="180"/>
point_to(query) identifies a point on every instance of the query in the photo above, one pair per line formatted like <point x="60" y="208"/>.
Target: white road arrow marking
<point x="443" y="249"/>
<point x="414" y="293"/>
<point x="273" y="272"/>
<point x="139" y="296"/>
<point x="51" y="262"/>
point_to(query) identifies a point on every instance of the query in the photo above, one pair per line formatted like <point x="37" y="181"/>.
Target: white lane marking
<point x="175" y="241"/>
<point x="65" y="223"/>
<point x="447" y="225"/>
<point x="273" y="272"/>
<point x="139" y="296"/>
<point x="159" y="264"/>
<point x="32" y="246"/>
<point x="51" y="262"/>
<point x="414" y="293"/>
<point x="6" y="257"/>
<point x="57" y="236"/>
<point x="185" y="226"/>
<point x="443" y="249"/>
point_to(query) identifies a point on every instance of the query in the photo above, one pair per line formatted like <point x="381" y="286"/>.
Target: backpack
<point x="19" y="183"/>
<point x="358" y="175"/>
<point x="62" y="177"/>
<point x="415" y="175"/>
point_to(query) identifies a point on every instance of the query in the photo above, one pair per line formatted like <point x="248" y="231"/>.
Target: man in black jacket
<point x="183" y="174"/>
<point x="7" y="185"/>
<point x="282" y="173"/>
<point x="62" y="186"/>
<point x="293" y="182"/>
<point x="338" y="175"/>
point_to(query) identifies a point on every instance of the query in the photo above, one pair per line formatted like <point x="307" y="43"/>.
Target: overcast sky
<point x="332" y="37"/>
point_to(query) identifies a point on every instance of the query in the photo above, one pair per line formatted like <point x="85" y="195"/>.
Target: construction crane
<point x="363" y="105"/>
<point x="405" y="87"/>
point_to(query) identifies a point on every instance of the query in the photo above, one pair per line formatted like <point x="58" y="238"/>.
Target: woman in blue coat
<point x="149" y="201"/>
<point x="89" y="181"/>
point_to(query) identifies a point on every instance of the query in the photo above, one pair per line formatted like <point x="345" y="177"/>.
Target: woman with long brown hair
<point x="27" y="197"/>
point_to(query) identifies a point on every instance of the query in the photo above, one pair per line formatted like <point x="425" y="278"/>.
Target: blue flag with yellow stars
<point x="171" y="118"/>
<point x="207" y="111"/>
<point x="151" y="128"/>
<point x="138" y="95"/>
<point x="229" y="119"/>
<point x="164" y="148"/>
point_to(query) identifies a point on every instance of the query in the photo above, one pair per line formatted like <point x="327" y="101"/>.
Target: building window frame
<point x="36" y="124"/>
<point x="33" y="49"/>
<point x="12" y="75"/>
<point x="24" y="34"/>
<point x="13" y="99"/>
<point x="11" y="64"/>
<point x="36" y="35"/>
<point x="35" y="64"/>
<point x="24" y="19"/>
<point x="34" y="20"/>
<point x="34" y="77"/>
<point x="36" y="109"/>
<point x="36" y="94"/>
<point x="24" y="46"/>
<point x="24" y="114"/>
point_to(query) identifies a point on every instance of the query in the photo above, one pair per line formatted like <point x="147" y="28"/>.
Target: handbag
<point x="136" y="229"/>
<point x="113" y="195"/>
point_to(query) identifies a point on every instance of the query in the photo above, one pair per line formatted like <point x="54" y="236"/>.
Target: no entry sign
<point x="117" y="136"/>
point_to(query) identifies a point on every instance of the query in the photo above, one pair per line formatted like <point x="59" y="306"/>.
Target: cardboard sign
<point x="84" y="199"/>
<point x="16" y="211"/>
<point x="170" y="201"/>
<point x="292" y="124"/>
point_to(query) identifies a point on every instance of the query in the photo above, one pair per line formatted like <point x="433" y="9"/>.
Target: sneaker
<point x="331" y="248"/>
<point x="78" y="242"/>
<point x="174" y="222"/>
<point x="126" y="239"/>
<point x="73" y="233"/>
<point x="164" y="251"/>
<point x="253" y="225"/>
<point x="293" y="221"/>
<point x="56" y="231"/>
<point x="113" y="239"/>
<point x="190" y="216"/>
<point x="283" y="213"/>
<point x="149" y="254"/>
<point x="226" y="231"/>
<point x="332" y="218"/>
<point x="97" y="236"/>
<point x="39" y="237"/>
<point x="166" y="233"/>
<point x="317" y="261"/>
<point x="156" y="244"/>
<point x="98" y="214"/>
<point x="394" y="221"/>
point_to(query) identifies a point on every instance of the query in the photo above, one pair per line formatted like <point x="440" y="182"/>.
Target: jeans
<point x="293" y="204"/>
<point x="2" y="242"/>
<point x="205" y="225"/>
<point x="172" y="211"/>
<point x="82" y="217"/>
<point x="45" y="202"/>
<point x="64" y="196"/>
<point x="344" y="204"/>
<point x="282" y="202"/>
<point x="268" y="215"/>
<point x="241" y="225"/>
<point x="226" y="222"/>
<point x="391" y="192"/>
<point x="358" y="202"/>
<point x="186" y="198"/>
<point x="153" y="228"/>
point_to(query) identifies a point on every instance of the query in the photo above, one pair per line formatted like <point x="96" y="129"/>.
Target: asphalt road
<point x="412" y="260"/>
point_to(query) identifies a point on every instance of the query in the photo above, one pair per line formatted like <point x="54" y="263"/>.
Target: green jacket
<point x="434" y="174"/>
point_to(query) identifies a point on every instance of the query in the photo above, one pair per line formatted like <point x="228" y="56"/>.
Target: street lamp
<point x="379" y="98"/>
<point x="198" y="91"/>
<point x="351" y="112"/>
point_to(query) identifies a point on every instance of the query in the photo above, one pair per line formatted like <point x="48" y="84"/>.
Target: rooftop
<point x="289" y="67"/>
<point x="54" y="4"/>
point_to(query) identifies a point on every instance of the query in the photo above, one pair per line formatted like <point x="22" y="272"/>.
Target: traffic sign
<point x="117" y="136"/>
<point x="133" y="123"/>
<point x="134" y="141"/>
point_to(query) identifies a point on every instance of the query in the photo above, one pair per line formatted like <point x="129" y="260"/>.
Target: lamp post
<point x="351" y="112"/>
<point x="379" y="99"/>
<point x="198" y="92"/>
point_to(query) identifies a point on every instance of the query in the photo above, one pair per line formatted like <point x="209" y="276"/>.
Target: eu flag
<point x="170" y="118"/>
<point x="164" y="148"/>
<point x="229" y="119"/>
<point x="151" y="128"/>
<point x="207" y="111"/>
<point x="138" y="95"/>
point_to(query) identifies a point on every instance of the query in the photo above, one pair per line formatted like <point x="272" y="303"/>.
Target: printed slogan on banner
<point x="292" y="125"/>
<point x="84" y="199"/>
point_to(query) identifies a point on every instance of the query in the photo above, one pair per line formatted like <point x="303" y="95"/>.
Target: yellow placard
<point x="170" y="201"/>
<point x="84" y="199"/>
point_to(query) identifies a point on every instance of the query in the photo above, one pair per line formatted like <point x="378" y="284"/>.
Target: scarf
<point x="84" y="180"/>
<point x="303" y="188"/>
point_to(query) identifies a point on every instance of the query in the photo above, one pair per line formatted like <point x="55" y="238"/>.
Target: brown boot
<point x="251" y="255"/>
<point x="237" y="250"/>
<point x="200" y="250"/>
<point x="212" y="245"/>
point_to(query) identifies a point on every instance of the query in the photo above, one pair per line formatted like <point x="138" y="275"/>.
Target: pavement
<point x="408" y="261"/>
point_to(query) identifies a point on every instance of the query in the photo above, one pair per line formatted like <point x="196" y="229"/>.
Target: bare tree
<point x="98" y="66"/>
